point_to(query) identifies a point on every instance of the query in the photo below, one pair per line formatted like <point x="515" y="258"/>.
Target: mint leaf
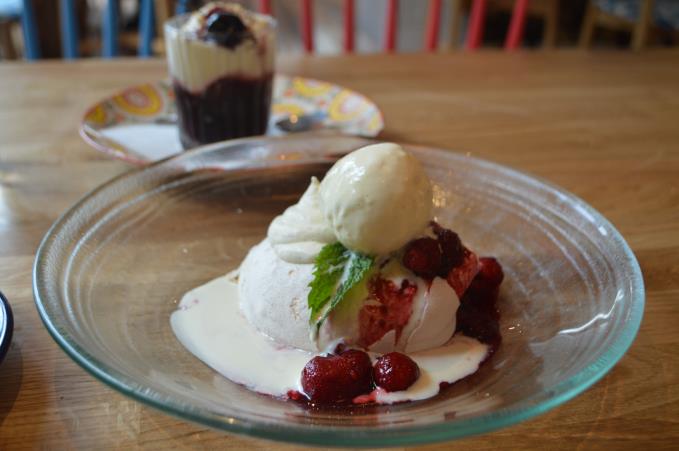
<point x="356" y="269"/>
<point x="337" y="270"/>
<point x="328" y="270"/>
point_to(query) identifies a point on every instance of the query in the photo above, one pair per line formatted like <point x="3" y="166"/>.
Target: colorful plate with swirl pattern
<point x="138" y="124"/>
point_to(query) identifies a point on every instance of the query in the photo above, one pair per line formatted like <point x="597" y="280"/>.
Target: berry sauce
<point x="478" y="316"/>
<point x="230" y="107"/>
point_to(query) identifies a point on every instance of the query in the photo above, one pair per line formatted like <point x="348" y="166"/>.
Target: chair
<point x="10" y="13"/>
<point x="153" y="13"/>
<point x="547" y="10"/>
<point x="432" y="26"/>
<point x="597" y="16"/>
<point x="641" y="18"/>
<point x="164" y="9"/>
<point x="70" y="32"/>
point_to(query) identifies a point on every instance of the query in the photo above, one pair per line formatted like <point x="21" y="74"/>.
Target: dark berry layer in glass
<point x="230" y="107"/>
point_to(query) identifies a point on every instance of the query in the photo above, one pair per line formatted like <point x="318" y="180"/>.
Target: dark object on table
<point x="6" y="326"/>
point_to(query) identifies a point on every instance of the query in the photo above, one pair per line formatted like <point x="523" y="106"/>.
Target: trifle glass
<point x="221" y="62"/>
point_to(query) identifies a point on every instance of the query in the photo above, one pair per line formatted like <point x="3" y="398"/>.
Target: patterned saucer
<point x="138" y="125"/>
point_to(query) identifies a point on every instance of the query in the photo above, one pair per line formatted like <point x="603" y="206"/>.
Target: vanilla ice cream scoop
<point x="376" y="199"/>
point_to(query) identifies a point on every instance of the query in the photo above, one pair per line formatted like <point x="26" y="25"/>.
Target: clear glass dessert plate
<point x="110" y="272"/>
<point x="6" y="326"/>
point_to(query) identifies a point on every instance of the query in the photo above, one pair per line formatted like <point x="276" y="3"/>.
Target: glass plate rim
<point x="6" y="326"/>
<point x="365" y="436"/>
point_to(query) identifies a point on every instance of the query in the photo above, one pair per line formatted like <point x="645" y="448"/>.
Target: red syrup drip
<point x="391" y="312"/>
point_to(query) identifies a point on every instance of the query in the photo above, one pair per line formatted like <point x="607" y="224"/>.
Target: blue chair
<point x="69" y="29"/>
<point x="10" y="12"/>
<point x="183" y="6"/>
<point x="10" y="8"/>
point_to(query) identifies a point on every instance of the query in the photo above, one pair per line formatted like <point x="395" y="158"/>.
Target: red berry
<point x="337" y="379"/>
<point x="490" y="272"/>
<point x="423" y="257"/>
<point x="462" y="276"/>
<point x="451" y="249"/>
<point x="478" y="316"/>
<point x="340" y="348"/>
<point x="395" y="371"/>
<point x="435" y="226"/>
<point x="295" y="395"/>
<point x="358" y="364"/>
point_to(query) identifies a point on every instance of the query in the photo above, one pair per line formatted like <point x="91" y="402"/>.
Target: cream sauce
<point x="211" y="326"/>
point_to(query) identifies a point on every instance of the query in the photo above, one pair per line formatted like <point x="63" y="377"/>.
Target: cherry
<point x="461" y="277"/>
<point x="224" y="22"/>
<point x="431" y="257"/>
<point x="225" y="29"/>
<point x="490" y="272"/>
<point x="395" y="372"/>
<point x="337" y="379"/>
<point x="357" y="362"/>
<point x="423" y="257"/>
<point x="452" y="250"/>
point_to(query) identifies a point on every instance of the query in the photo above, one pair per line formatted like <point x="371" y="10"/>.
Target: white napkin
<point x="149" y="142"/>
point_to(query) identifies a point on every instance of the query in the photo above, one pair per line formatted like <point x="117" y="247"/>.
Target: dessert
<point x="221" y="61"/>
<point x="356" y="295"/>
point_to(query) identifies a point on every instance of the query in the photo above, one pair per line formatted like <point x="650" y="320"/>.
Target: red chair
<point x="516" y="25"/>
<point x="431" y="36"/>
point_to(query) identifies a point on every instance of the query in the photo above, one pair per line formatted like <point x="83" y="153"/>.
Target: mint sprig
<point x="336" y="271"/>
<point x="328" y="270"/>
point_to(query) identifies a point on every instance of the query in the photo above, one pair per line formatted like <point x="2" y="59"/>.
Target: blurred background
<point x="620" y="24"/>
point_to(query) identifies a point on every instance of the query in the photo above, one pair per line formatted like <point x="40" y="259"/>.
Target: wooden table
<point x="602" y="125"/>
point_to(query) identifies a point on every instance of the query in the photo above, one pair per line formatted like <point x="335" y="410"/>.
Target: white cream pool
<point x="210" y="325"/>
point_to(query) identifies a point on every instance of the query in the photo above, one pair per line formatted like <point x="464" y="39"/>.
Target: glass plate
<point x="6" y="326"/>
<point x="110" y="272"/>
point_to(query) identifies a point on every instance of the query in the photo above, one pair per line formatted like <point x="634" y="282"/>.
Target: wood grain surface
<point x="604" y="126"/>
